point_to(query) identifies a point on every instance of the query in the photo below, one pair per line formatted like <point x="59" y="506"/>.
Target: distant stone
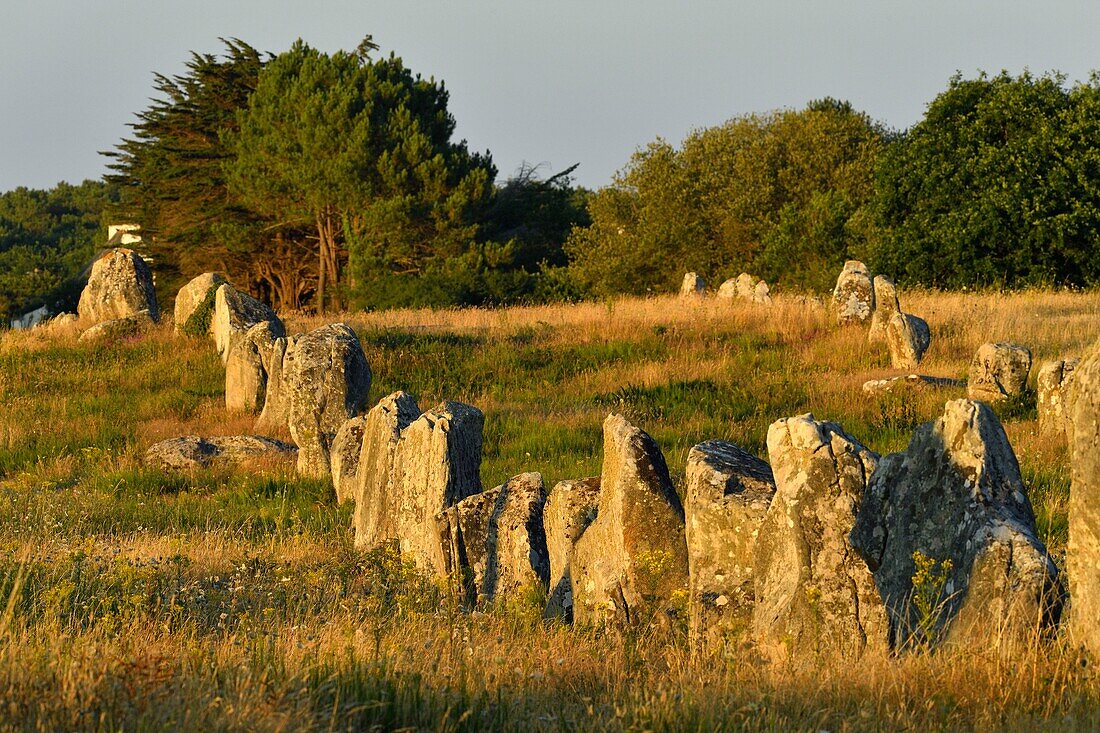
<point x="762" y="294"/>
<point x="693" y="286"/>
<point x="236" y="312"/>
<point x="886" y="306"/>
<point x="727" y="290"/>
<point x="907" y="337"/>
<point x="194" y="310"/>
<point x="570" y="508"/>
<point x="746" y="287"/>
<point x="1053" y="385"/>
<point x="909" y="381"/>
<point x="630" y="565"/>
<point x="120" y="286"/>
<point x="117" y="328"/>
<point x="854" y="295"/>
<point x="344" y="458"/>
<point x="378" y="489"/>
<point x="246" y="371"/>
<point x="325" y="380"/>
<point x="728" y="492"/>
<point x="496" y="536"/>
<point x="65" y="323"/>
<point x="1083" y="551"/>
<point x="998" y="371"/>
<point x="815" y="596"/>
<point x="191" y="451"/>
<point x="437" y="465"/>
<point x="956" y="495"/>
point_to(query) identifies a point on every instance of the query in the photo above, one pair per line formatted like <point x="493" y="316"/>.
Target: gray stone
<point x="907" y="337"/>
<point x="344" y="458"/>
<point x="191" y="298"/>
<point x="245" y="369"/>
<point x="998" y="371"/>
<point x="909" y="381"/>
<point x="377" y="491"/>
<point x="276" y="412"/>
<point x="693" y="286"/>
<point x="496" y="536"/>
<point x="120" y="286"/>
<point x="117" y="328"/>
<point x="234" y="314"/>
<point x="1083" y="551"/>
<point x="956" y="495"/>
<point x="814" y="595"/>
<point x="886" y="305"/>
<point x="325" y="380"/>
<point x="1054" y="385"/>
<point x="762" y="294"/>
<point x="854" y="295"/>
<point x="630" y="565"/>
<point x="570" y="508"/>
<point x="437" y="464"/>
<point x="191" y="451"/>
<point x="728" y="493"/>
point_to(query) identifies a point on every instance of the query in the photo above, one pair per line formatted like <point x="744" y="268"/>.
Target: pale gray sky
<point x="553" y="82"/>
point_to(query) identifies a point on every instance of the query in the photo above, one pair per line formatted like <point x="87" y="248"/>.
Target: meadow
<point x="131" y="599"/>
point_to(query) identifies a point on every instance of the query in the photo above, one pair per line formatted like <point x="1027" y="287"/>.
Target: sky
<point x="549" y="83"/>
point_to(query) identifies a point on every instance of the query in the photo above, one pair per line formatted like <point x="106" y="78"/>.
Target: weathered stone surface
<point x="196" y="299"/>
<point x="1083" y="551"/>
<point x="437" y="464"/>
<point x="630" y="565"/>
<point x="114" y="329"/>
<point x="570" y="508"/>
<point x="727" y="290"/>
<point x="998" y="371"/>
<point x="325" y="380"/>
<point x="120" y="286"/>
<point x="497" y="537"/>
<point x="192" y="451"/>
<point x="64" y="323"/>
<point x="814" y="594"/>
<point x="693" y="286"/>
<point x="886" y="305"/>
<point x="854" y="295"/>
<point x="746" y="287"/>
<point x="909" y="381"/>
<point x="762" y="294"/>
<point x="956" y="494"/>
<point x="245" y="370"/>
<point x="727" y="495"/>
<point x="907" y="337"/>
<point x="276" y="412"/>
<point x="347" y="444"/>
<point x="236" y="312"/>
<point x="1053" y="385"/>
<point x="377" y="491"/>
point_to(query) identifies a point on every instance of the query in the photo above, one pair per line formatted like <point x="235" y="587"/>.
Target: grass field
<point x="131" y="599"/>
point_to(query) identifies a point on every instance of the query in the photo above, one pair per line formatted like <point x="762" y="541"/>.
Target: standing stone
<point x="956" y="495"/>
<point x="195" y="300"/>
<point x="886" y="305"/>
<point x="246" y="371"/>
<point x="1053" y="385"/>
<point x="854" y="296"/>
<point x="437" y="465"/>
<point x="570" y="509"/>
<point x="998" y="371"/>
<point x="497" y="537"/>
<point x="693" y="286"/>
<point x="236" y="312"/>
<point x="1083" y="551"/>
<point x="907" y="337"/>
<point x="814" y="594"/>
<point x="377" y="491"/>
<point x="325" y="380"/>
<point x="631" y="563"/>
<point x="276" y="411"/>
<point x="727" y="290"/>
<point x="727" y="496"/>
<point x="746" y="286"/>
<point x="120" y="286"/>
<point x="762" y="294"/>
<point x="344" y="458"/>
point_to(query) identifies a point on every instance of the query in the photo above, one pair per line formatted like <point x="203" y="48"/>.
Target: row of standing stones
<point x="825" y="548"/>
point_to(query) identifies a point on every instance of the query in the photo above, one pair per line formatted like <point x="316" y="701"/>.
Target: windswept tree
<point x="360" y="150"/>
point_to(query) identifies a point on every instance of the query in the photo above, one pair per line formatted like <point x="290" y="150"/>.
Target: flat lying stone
<point x="910" y="381"/>
<point x="192" y="451"/>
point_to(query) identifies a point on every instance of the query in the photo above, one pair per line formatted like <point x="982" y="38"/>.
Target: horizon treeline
<point x="329" y="181"/>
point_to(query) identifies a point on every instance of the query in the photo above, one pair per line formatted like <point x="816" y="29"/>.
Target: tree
<point x="360" y="150"/>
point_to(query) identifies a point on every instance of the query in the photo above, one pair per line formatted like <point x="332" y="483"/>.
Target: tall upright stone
<point x="437" y="465"/>
<point x="998" y="371"/>
<point x="377" y="486"/>
<point x="236" y="312"/>
<point x="194" y="309"/>
<point x="325" y="380"/>
<point x="693" y="286"/>
<point x="344" y="453"/>
<point x="120" y="286"/>
<point x="815" y="595"/>
<point x="570" y="508"/>
<point x="886" y="305"/>
<point x="276" y="410"/>
<point x="1083" y="551"/>
<point x="727" y="495"/>
<point x="246" y="370"/>
<point x="1054" y="385"/>
<point x="854" y="295"/>
<point x="907" y="337"/>
<point x="956" y="495"/>
<point x="630" y="565"/>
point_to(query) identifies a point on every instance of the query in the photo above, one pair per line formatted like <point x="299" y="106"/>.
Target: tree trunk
<point x="322" y="245"/>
